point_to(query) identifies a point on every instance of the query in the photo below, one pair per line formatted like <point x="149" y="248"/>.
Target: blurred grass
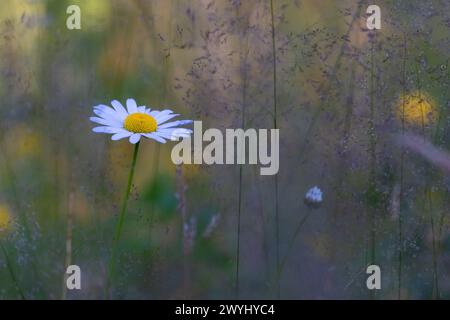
<point x="184" y="56"/>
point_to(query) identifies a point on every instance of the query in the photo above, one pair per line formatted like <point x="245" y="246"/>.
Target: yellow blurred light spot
<point x="23" y="141"/>
<point x="416" y="108"/>
<point x="140" y="123"/>
<point x="5" y="218"/>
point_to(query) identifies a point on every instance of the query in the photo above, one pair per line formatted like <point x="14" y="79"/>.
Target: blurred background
<point x="343" y="96"/>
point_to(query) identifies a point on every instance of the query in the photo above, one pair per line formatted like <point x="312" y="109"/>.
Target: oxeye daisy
<point x="134" y="122"/>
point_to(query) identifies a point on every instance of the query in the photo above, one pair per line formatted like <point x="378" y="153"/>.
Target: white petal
<point x="163" y="114"/>
<point x="106" y="129"/>
<point x="154" y="137"/>
<point x="131" y="106"/>
<point x="154" y="113"/>
<point x="174" y="134"/>
<point x="108" y="113"/>
<point x="102" y="110"/>
<point x="121" y="135"/>
<point x="164" y="135"/>
<point x="119" y="107"/>
<point x="161" y="119"/>
<point x="141" y="109"/>
<point x="175" y="130"/>
<point x="106" y="122"/>
<point x="174" y="124"/>
<point x="182" y="133"/>
<point x="134" y="138"/>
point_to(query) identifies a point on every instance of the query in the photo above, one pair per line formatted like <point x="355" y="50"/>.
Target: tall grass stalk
<point x="372" y="154"/>
<point x="275" y="126"/>
<point x="11" y="271"/>
<point x="238" y="231"/>
<point x="186" y="228"/>
<point x="442" y="115"/>
<point x="342" y="166"/>
<point x="427" y="198"/>
<point x="291" y="244"/>
<point x="119" y="225"/>
<point x="243" y="74"/>
<point x="68" y="257"/>
<point x="260" y="211"/>
<point x="436" y="294"/>
<point x="402" y="160"/>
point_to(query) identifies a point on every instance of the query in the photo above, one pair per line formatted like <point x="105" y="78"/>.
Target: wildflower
<point x="416" y="108"/>
<point x="5" y="218"/>
<point x="135" y="122"/>
<point x="313" y="197"/>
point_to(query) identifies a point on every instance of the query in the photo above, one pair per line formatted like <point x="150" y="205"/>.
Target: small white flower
<point x="136" y="121"/>
<point x="313" y="197"/>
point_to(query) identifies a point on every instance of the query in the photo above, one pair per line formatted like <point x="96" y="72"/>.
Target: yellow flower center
<point x="140" y="123"/>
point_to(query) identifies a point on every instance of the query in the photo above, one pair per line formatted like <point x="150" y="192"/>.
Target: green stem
<point x="11" y="272"/>
<point x="402" y="160"/>
<point x="238" y="242"/>
<point x="242" y="61"/>
<point x="291" y="245"/>
<point x="274" y="65"/>
<point x="372" y="153"/>
<point x="436" y="294"/>
<point x="121" y="219"/>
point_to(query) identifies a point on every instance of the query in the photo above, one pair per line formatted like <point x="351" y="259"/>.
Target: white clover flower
<point x="313" y="197"/>
<point x="137" y="121"/>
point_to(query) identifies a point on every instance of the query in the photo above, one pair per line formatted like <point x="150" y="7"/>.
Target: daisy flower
<point x="134" y="122"/>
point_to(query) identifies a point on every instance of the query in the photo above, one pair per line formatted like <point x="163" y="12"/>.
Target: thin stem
<point x="275" y="126"/>
<point x="372" y="152"/>
<point x="243" y="71"/>
<point x="291" y="244"/>
<point x="238" y="233"/>
<point x="435" y="267"/>
<point x="68" y="258"/>
<point x="154" y="177"/>
<point x="163" y="98"/>
<point x="186" y="228"/>
<point x="121" y="218"/>
<point x="11" y="272"/>
<point x="402" y="159"/>
<point x="428" y="195"/>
